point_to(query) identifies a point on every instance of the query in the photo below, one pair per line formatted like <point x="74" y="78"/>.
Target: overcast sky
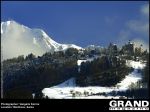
<point x="83" y="23"/>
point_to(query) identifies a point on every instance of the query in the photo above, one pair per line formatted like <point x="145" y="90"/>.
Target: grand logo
<point x="129" y="105"/>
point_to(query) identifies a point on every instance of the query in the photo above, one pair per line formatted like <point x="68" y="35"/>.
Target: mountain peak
<point x="18" y="40"/>
<point x="7" y="23"/>
<point x="10" y="24"/>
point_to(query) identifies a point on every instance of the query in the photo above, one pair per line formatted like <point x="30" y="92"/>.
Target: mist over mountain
<point x="18" y="40"/>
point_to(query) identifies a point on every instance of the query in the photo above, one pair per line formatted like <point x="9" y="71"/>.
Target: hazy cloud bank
<point x="137" y="29"/>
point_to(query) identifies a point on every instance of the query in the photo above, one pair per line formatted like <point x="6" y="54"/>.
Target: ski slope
<point x="69" y="89"/>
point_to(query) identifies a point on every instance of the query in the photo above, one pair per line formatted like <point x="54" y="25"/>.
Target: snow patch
<point x="135" y="64"/>
<point x="80" y="61"/>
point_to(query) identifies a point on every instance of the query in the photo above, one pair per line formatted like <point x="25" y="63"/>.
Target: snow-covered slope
<point x="133" y="77"/>
<point x="67" y="89"/>
<point x="18" y="39"/>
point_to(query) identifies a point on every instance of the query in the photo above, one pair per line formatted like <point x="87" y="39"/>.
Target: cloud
<point x="137" y="27"/>
<point x="145" y="9"/>
<point x="141" y="25"/>
<point x="18" y="41"/>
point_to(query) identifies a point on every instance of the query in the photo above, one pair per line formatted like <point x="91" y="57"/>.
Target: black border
<point x="66" y="105"/>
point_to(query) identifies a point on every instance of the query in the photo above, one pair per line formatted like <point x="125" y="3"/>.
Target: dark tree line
<point x="24" y="76"/>
<point x="102" y="72"/>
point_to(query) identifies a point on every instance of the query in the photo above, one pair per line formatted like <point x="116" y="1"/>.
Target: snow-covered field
<point x="133" y="77"/>
<point x="69" y="90"/>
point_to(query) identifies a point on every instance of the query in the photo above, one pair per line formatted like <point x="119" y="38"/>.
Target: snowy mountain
<point x="18" y="39"/>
